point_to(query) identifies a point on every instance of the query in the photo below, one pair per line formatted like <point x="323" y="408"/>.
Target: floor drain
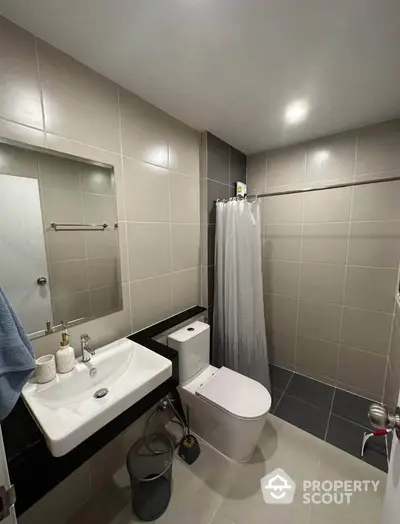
<point x="100" y="393"/>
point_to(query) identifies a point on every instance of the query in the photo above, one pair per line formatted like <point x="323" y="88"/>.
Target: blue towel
<point x="17" y="359"/>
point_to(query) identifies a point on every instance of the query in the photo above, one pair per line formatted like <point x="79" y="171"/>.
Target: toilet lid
<point x="239" y="395"/>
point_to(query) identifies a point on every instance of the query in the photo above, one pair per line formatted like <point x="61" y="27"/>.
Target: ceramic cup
<point x="45" y="368"/>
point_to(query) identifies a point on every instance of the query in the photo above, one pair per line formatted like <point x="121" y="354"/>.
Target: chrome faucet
<point x="87" y="352"/>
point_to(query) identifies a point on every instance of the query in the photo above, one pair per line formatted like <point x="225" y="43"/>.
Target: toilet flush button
<point x="190" y="329"/>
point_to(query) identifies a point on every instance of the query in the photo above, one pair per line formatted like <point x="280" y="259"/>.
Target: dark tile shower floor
<point x="330" y="414"/>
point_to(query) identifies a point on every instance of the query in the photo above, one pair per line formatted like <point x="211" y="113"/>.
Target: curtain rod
<point x="322" y="188"/>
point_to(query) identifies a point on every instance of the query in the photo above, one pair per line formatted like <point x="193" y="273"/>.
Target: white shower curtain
<point x="239" y="340"/>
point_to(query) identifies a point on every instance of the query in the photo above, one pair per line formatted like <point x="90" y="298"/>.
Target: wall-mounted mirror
<point x="59" y="253"/>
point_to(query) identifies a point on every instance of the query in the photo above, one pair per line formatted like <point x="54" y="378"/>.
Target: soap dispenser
<point x="65" y="356"/>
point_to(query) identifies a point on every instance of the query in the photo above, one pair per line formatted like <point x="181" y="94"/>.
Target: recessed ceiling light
<point x="296" y="112"/>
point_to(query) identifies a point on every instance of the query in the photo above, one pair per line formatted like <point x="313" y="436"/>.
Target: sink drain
<point x="100" y="393"/>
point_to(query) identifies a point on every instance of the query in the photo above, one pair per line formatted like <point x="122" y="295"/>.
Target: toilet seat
<point x="236" y="394"/>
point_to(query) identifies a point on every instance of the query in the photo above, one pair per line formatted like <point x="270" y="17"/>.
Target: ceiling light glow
<point x="296" y="112"/>
<point x="321" y="157"/>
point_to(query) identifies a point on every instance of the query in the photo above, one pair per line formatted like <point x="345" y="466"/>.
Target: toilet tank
<point x="193" y="345"/>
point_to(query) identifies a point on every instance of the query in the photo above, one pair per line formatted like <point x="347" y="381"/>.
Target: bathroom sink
<point x="75" y="405"/>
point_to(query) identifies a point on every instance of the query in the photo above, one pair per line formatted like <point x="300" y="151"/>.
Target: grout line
<point x="328" y="222"/>
<point x="218" y="182"/>
<point x="391" y="336"/>
<point x="330" y="413"/>
<point x="229" y="164"/>
<point x="122" y="192"/>
<point x="296" y="346"/>
<point x="307" y="262"/>
<point x="171" y="261"/>
<point x="347" y="259"/>
<point x="41" y="90"/>
<point x="284" y="391"/>
<point x="351" y="422"/>
<point x="329" y="304"/>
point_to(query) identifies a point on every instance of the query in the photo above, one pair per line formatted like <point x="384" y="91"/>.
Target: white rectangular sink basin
<point x="66" y="408"/>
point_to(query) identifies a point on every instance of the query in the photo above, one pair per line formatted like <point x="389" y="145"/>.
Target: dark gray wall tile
<point x="217" y="159"/>
<point x="237" y="166"/>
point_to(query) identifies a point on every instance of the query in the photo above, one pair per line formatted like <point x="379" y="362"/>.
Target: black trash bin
<point x="149" y="464"/>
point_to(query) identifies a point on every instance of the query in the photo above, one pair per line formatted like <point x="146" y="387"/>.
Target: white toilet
<point x="226" y="409"/>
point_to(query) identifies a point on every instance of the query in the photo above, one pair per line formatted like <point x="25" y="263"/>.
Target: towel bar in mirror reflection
<point x="78" y="227"/>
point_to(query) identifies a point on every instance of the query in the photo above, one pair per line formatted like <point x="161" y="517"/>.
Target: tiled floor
<point x="329" y="413"/>
<point x="214" y="490"/>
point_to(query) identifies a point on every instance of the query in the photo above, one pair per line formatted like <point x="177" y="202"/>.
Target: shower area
<point x="330" y="262"/>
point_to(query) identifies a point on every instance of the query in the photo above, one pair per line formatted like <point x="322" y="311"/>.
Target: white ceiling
<point x="232" y="66"/>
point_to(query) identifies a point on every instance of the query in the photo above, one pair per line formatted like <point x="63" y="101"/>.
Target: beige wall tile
<point x="59" y="172"/>
<point x="316" y="358"/>
<point x="65" y="245"/>
<point x="145" y="130"/>
<point x="322" y="282"/>
<point x="325" y="243"/>
<point x="256" y="175"/>
<point x="78" y="102"/>
<point x="204" y="286"/>
<point x="62" y="502"/>
<point x="186" y="286"/>
<point x="374" y="244"/>
<point x="102" y="243"/>
<point x="280" y="314"/>
<point x="184" y="144"/>
<point x="151" y="301"/>
<point x="184" y="199"/>
<point x="86" y="152"/>
<point x="102" y="331"/>
<point x="96" y="179"/>
<point x="20" y="133"/>
<point x="370" y="288"/>
<point x="185" y="246"/>
<point x="61" y="206"/>
<point x="368" y="330"/>
<point x="103" y="271"/>
<point x="68" y="277"/>
<point x="281" y="278"/>
<point x="376" y="202"/>
<point x="331" y="158"/>
<point x="146" y="192"/>
<point x="16" y="161"/>
<point x="320" y="321"/>
<point x="123" y="250"/>
<point x="394" y="353"/>
<point x="19" y="89"/>
<point x="281" y="209"/>
<point x="281" y="349"/>
<point x="105" y="300"/>
<point x="361" y="370"/>
<point x="286" y="167"/>
<point x="71" y="306"/>
<point x="99" y="209"/>
<point x="332" y="205"/>
<point x="149" y="250"/>
<point x="282" y="242"/>
<point x="378" y="148"/>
